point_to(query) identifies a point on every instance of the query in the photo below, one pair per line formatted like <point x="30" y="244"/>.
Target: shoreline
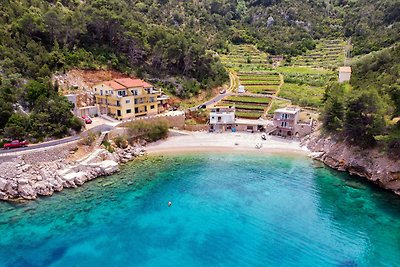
<point x="193" y="142"/>
<point x="30" y="176"/>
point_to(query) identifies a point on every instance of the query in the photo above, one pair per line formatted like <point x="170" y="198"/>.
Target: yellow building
<point x="126" y="98"/>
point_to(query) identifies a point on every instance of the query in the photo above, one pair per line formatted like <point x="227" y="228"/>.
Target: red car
<point x="15" y="144"/>
<point x="87" y="119"/>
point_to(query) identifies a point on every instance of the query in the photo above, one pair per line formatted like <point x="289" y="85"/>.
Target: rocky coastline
<point x="371" y="164"/>
<point x="27" y="177"/>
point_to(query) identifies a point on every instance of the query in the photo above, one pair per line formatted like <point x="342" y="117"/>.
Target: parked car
<point x="222" y="91"/>
<point x="87" y="119"/>
<point x="202" y="106"/>
<point x="15" y="144"/>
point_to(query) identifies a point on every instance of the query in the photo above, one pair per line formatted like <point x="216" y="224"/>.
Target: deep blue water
<point x="228" y="210"/>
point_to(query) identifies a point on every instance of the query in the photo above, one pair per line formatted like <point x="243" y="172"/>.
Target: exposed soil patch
<point x="78" y="80"/>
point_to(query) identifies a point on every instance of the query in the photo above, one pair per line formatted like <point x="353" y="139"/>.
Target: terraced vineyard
<point x="249" y="107"/>
<point x="260" y="82"/>
<point x="304" y="86"/>
<point x="327" y="54"/>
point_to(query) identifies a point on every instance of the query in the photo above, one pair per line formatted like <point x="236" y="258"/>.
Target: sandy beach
<point x="184" y="141"/>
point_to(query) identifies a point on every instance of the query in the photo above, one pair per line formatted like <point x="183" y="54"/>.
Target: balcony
<point x="110" y="104"/>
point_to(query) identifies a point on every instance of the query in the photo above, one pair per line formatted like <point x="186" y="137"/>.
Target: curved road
<point x="41" y="145"/>
<point x="220" y="96"/>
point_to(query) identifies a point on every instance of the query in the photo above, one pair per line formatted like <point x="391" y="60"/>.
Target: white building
<point x="344" y="74"/>
<point x="222" y="118"/>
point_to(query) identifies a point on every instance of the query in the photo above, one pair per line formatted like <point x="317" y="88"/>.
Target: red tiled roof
<point x="128" y="82"/>
<point x="114" y="85"/>
<point x="146" y="85"/>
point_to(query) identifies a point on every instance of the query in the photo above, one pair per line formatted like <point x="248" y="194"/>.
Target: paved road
<point x="211" y="101"/>
<point x="42" y="145"/>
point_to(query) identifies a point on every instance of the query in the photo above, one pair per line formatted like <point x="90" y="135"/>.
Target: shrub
<point x="107" y="145"/>
<point x="89" y="139"/>
<point x="121" y="141"/>
<point x="76" y="124"/>
<point x="148" y="130"/>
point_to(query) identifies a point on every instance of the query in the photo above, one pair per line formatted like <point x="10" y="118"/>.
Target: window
<point x="134" y="92"/>
<point x="128" y="101"/>
<point x="136" y="109"/>
<point x="101" y="92"/>
<point x="136" y="101"/>
<point x="151" y="99"/>
<point x="283" y="123"/>
<point x="152" y="107"/>
<point x="121" y="93"/>
<point x="284" y="116"/>
<point x="219" y="119"/>
<point x="128" y="111"/>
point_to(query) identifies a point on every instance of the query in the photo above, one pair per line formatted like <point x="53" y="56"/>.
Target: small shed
<point x="241" y="89"/>
<point x="344" y="74"/>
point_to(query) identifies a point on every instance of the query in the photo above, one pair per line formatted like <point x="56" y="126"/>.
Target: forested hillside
<point x="171" y="40"/>
<point x="366" y="111"/>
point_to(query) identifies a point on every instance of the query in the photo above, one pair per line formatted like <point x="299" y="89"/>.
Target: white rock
<point x="3" y="184"/>
<point x="27" y="191"/>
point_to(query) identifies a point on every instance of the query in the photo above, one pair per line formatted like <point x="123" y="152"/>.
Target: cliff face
<point x="371" y="164"/>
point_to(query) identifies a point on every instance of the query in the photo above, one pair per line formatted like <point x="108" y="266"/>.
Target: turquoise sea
<point x="227" y="210"/>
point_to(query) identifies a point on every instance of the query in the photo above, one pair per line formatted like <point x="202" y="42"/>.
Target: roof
<point x="114" y="85"/>
<point x="345" y="69"/>
<point x="146" y="85"/>
<point x="251" y="122"/>
<point x="128" y="82"/>
<point x="288" y="110"/>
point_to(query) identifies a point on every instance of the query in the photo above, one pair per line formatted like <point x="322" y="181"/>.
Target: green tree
<point x="364" y="117"/>
<point x="17" y="126"/>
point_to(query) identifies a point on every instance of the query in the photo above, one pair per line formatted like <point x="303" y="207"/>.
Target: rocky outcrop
<point x="22" y="180"/>
<point x="371" y="164"/>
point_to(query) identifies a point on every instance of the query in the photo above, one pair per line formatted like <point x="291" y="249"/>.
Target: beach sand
<point x="185" y="141"/>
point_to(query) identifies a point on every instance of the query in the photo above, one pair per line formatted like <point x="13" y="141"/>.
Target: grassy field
<point x="303" y="95"/>
<point x="277" y="103"/>
<point x="248" y="99"/>
<point x="248" y="106"/>
<point x="248" y="115"/>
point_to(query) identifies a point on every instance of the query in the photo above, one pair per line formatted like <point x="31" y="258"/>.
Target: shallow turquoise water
<point x="228" y="210"/>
